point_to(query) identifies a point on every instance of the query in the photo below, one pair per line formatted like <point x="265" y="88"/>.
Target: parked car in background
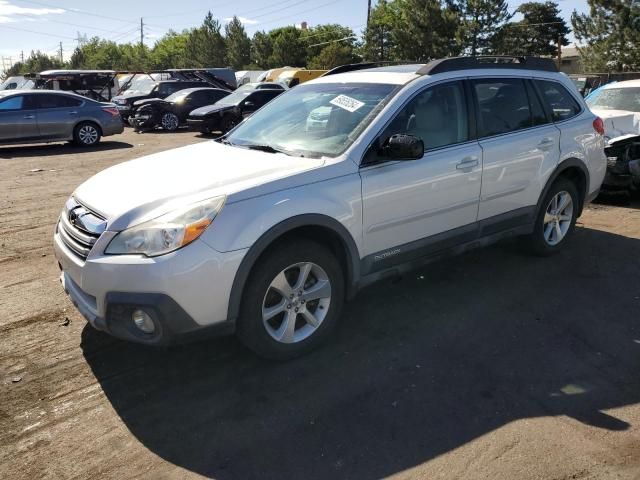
<point x="248" y="76"/>
<point x="262" y="86"/>
<point x="268" y="230"/>
<point x="171" y="112"/>
<point x="144" y="89"/>
<point x="16" y="83"/>
<point x="34" y="116"/>
<point x="231" y="110"/>
<point x="618" y="104"/>
<point x="291" y="78"/>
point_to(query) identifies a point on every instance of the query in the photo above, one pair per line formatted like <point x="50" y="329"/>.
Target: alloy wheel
<point x="169" y="121"/>
<point x="557" y="218"/>
<point x="88" y="134"/>
<point x="296" y="302"/>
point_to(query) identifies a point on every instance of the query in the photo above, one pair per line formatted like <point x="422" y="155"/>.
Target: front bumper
<point x="185" y="292"/>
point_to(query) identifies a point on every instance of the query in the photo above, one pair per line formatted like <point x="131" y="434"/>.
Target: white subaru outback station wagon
<point x="337" y="183"/>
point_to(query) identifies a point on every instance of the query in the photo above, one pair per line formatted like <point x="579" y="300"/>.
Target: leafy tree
<point x="238" y="45"/>
<point x="261" y="49"/>
<point x="479" y="20"/>
<point x="610" y="33"/>
<point x="36" y="62"/>
<point x="205" y="46"/>
<point x="536" y="34"/>
<point x="422" y="30"/>
<point x="378" y="36"/>
<point x="170" y="51"/>
<point x="320" y="36"/>
<point x="333" y="55"/>
<point x="288" y="49"/>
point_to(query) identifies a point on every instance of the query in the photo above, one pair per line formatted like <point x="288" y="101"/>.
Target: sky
<point x="43" y="24"/>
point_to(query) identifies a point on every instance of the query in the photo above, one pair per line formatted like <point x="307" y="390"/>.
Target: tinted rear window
<point x="503" y="106"/>
<point x="559" y="101"/>
<point x="57" y="101"/>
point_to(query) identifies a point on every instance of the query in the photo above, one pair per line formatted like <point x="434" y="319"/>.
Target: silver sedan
<point x="35" y="116"/>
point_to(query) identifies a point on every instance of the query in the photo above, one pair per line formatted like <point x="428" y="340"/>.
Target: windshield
<point x="617" y="99"/>
<point x="321" y="119"/>
<point x="140" y="85"/>
<point x="236" y="97"/>
<point x="177" y="96"/>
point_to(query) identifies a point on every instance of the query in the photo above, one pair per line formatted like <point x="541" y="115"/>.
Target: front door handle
<point x="467" y="163"/>
<point x="29" y="117"/>
<point x="73" y="112"/>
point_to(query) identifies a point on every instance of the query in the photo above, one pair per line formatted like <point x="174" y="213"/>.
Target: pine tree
<point x="238" y="45"/>
<point x="378" y="41"/>
<point x="479" y="21"/>
<point x="611" y="33"/>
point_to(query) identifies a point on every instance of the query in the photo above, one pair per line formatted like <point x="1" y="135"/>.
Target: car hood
<point x="619" y="122"/>
<point x="149" y="101"/>
<point x="142" y="189"/>
<point x="209" y="109"/>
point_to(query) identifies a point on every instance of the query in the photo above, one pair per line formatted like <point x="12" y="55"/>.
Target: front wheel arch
<point x="334" y="234"/>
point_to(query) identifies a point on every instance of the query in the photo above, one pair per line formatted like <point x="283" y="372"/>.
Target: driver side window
<point x="437" y="115"/>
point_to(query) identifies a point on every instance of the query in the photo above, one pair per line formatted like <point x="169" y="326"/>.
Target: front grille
<point x="79" y="228"/>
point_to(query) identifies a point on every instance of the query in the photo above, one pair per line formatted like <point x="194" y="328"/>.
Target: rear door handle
<point x="29" y="117"/>
<point x="73" y="112"/>
<point x="467" y="163"/>
<point x="546" y="142"/>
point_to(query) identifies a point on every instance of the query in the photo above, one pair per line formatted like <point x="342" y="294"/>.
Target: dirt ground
<point x="490" y="365"/>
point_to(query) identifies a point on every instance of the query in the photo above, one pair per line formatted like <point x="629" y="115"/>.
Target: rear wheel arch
<point x="574" y="170"/>
<point x="320" y="228"/>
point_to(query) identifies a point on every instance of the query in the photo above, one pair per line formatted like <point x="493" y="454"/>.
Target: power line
<point x="36" y="32"/>
<point x="333" y="41"/>
<point x="300" y="13"/>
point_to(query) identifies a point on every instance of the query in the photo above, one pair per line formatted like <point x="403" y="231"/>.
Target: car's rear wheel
<point x="86" y="134"/>
<point x="556" y="219"/>
<point x="292" y="300"/>
<point x="169" y="121"/>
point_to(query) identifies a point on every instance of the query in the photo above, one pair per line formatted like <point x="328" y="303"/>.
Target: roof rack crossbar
<point x="497" y="61"/>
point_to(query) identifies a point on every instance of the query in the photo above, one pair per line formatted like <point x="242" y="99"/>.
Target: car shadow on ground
<point x="49" y="149"/>
<point x="418" y="367"/>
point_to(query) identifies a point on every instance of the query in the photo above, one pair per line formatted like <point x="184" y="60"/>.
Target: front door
<point x="415" y="207"/>
<point x="18" y="120"/>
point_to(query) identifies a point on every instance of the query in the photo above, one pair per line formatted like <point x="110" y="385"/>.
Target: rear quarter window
<point x="559" y="101"/>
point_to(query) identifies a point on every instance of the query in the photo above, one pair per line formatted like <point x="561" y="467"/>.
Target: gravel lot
<point x="490" y="365"/>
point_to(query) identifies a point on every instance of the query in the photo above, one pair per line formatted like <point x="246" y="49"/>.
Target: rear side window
<point x="12" y="103"/>
<point x="503" y="106"/>
<point x="57" y="101"/>
<point x="559" y="101"/>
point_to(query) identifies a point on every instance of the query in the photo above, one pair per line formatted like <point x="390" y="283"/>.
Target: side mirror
<point x="403" y="147"/>
<point x="249" y="105"/>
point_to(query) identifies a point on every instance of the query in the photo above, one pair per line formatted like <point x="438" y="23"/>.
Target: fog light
<point x="143" y="321"/>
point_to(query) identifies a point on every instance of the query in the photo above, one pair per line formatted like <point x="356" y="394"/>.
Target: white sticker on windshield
<point x="348" y="103"/>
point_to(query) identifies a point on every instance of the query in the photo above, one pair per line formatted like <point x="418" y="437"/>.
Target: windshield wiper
<point x="265" y="148"/>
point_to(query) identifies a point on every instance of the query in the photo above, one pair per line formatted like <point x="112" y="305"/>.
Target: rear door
<point x="18" y="119"/>
<point x="57" y="115"/>
<point x="520" y="147"/>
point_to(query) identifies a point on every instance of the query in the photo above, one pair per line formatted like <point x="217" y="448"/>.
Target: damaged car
<point x="170" y="113"/>
<point x="618" y="104"/>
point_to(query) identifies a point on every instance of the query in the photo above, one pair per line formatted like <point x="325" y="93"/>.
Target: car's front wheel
<point x="556" y="219"/>
<point x="86" y="134"/>
<point x="228" y="122"/>
<point x="169" y="121"/>
<point x="292" y="300"/>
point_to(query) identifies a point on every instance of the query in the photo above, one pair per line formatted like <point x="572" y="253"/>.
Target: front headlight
<point x="168" y="232"/>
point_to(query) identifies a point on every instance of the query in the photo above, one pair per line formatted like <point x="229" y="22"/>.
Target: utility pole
<point x="60" y="53"/>
<point x="368" y="12"/>
<point x="141" y="33"/>
<point x="21" y="56"/>
<point x="559" y="51"/>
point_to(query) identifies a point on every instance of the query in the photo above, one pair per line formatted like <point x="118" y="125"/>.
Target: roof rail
<point x="351" y="67"/>
<point x="470" y="63"/>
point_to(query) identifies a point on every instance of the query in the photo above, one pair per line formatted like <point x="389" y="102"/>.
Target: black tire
<point x="169" y="121"/>
<point x="536" y="242"/>
<point x="227" y="123"/>
<point x="86" y="134"/>
<point x="251" y="329"/>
